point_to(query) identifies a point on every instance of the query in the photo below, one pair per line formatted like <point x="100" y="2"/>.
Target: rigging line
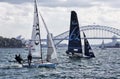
<point x="44" y="23"/>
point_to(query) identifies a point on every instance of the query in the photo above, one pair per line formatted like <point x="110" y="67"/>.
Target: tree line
<point x="10" y="43"/>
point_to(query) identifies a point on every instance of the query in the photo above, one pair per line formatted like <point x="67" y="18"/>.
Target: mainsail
<point x="74" y="44"/>
<point x="35" y="39"/>
<point x="51" y="50"/>
<point x="87" y="48"/>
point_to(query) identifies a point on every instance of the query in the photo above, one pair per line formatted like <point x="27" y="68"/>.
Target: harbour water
<point x="106" y="65"/>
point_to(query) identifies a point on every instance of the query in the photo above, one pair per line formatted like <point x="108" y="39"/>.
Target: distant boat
<point x="74" y="43"/>
<point x="35" y="44"/>
<point x="103" y="45"/>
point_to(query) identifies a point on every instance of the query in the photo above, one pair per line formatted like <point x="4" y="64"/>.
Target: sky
<point x="16" y="16"/>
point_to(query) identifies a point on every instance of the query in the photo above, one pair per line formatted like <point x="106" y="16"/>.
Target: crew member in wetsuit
<point x="18" y="59"/>
<point x="29" y="58"/>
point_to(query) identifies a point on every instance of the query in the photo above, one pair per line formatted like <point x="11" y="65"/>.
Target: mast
<point x="36" y="39"/>
<point x="74" y="44"/>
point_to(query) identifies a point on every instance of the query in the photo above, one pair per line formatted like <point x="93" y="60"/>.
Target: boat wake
<point x="10" y="66"/>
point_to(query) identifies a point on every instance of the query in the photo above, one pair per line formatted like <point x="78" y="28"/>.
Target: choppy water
<point x="106" y="65"/>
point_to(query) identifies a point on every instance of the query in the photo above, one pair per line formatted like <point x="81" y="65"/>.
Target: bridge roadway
<point x="83" y="38"/>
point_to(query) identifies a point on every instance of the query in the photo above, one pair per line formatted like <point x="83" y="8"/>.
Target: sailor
<point x="29" y="58"/>
<point x="67" y="52"/>
<point x="18" y="59"/>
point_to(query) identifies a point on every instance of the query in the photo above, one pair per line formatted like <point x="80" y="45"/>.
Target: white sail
<point x="51" y="50"/>
<point x="35" y="38"/>
<point x="103" y="45"/>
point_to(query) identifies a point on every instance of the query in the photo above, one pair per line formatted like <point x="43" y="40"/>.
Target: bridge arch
<point x="98" y="27"/>
<point x="64" y="35"/>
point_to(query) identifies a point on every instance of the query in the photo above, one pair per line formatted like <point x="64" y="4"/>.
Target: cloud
<point x="17" y="19"/>
<point x="110" y="3"/>
<point x="55" y="3"/>
<point x="16" y="1"/>
<point x="69" y="3"/>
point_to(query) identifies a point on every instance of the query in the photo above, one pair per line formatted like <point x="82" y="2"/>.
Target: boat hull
<point x="39" y="65"/>
<point x="79" y="56"/>
<point x="75" y="55"/>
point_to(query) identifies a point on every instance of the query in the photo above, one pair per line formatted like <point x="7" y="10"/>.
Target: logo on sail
<point x="74" y="35"/>
<point x="74" y="23"/>
<point x="37" y="36"/>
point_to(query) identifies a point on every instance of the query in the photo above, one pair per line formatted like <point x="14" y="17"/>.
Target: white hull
<point x="35" y="64"/>
<point x="39" y="65"/>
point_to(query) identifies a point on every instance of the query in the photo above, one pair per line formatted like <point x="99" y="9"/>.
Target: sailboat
<point x="38" y="60"/>
<point x="88" y="53"/>
<point x="102" y="45"/>
<point x="74" y="43"/>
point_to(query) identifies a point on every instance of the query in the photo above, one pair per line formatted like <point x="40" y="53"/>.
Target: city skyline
<point x="16" y="17"/>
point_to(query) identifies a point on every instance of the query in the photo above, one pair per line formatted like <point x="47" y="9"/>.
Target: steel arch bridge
<point x="64" y="36"/>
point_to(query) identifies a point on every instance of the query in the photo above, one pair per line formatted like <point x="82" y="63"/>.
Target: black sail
<point x="74" y="44"/>
<point x="87" y="48"/>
